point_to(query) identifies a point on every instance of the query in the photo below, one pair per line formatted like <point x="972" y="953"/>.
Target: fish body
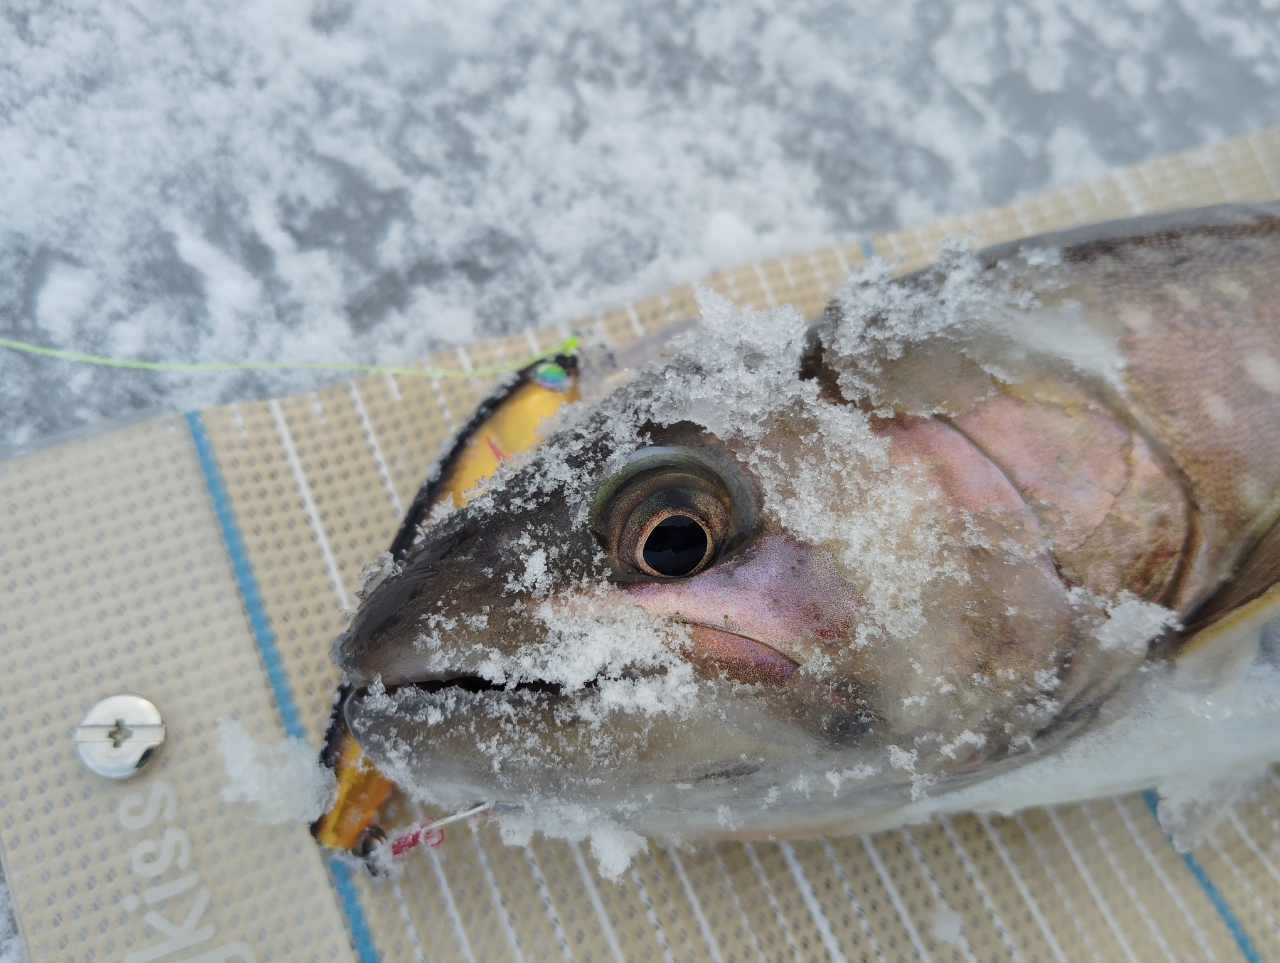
<point x="798" y="579"/>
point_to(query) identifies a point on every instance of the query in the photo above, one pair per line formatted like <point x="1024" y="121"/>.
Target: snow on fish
<point x="796" y="579"/>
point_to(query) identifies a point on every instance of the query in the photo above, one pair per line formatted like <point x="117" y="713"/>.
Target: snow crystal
<point x="989" y="317"/>
<point x="375" y="573"/>
<point x="282" y="782"/>
<point x="858" y="773"/>
<point x="1132" y="624"/>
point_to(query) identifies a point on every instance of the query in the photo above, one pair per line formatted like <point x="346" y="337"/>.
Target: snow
<point x="10" y="943"/>
<point x="1132" y="623"/>
<point x="282" y="782"/>
<point x="947" y="926"/>
<point x="364" y="180"/>
<point x="1201" y="752"/>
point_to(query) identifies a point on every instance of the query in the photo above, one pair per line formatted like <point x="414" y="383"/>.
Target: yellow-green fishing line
<point x="563" y="348"/>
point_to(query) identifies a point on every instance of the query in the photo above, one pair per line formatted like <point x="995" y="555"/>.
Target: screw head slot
<point x="120" y="735"/>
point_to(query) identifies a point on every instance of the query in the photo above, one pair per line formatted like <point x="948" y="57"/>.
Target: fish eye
<point x="668" y="515"/>
<point x="673" y="546"/>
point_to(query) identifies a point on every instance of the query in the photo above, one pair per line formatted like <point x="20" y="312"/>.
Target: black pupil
<point x="675" y="546"/>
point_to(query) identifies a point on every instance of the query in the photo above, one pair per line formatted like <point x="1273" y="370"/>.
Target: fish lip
<point x="763" y="662"/>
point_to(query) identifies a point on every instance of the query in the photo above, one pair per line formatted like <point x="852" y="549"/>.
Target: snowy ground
<point x="10" y="945"/>
<point x="334" y="179"/>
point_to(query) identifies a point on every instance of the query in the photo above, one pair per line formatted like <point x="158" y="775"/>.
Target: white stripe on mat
<point x="773" y="901"/>
<point x="852" y="898"/>
<point x="1204" y="157"/>
<point x="765" y="286"/>
<point x="393" y="387"/>
<point x="438" y="394"/>
<point x="976" y="882"/>
<point x="495" y="893"/>
<point x="547" y="903"/>
<point x="1023" y="889"/>
<point x="737" y="901"/>
<point x="1129" y="889"/>
<point x="895" y="899"/>
<point x="635" y="321"/>
<point x="650" y="914"/>
<point x="934" y="888"/>
<point x="1245" y="885"/>
<point x="1248" y="841"/>
<point x="1132" y="192"/>
<point x="1197" y="933"/>
<point x="366" y="427"/>
<point x="820" y="274"/>
<point x="313" y="516"/>
<point x="1273" y="178"/>
<point x="594" y="894"/>
<point x="409" y="928"/>
<point x="1089" y="883"/>
<point x="698" y="916"/>
<point x="811" y="901"/>
<point x="1049" y="871"/>
<point x="452" y="908"/>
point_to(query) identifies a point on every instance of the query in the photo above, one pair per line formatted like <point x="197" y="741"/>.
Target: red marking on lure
<point x="416" y="835"/>
<point x="498" y="453"/>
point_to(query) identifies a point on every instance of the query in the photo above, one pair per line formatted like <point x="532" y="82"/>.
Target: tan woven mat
<point x="205" y="561"/>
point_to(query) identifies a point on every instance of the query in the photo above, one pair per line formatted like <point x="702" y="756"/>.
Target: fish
<point x="797" y="577"/>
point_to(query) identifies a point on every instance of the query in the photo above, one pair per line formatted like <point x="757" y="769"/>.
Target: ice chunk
<point x="1193" y="805"/>
<point x="282" y="782"/>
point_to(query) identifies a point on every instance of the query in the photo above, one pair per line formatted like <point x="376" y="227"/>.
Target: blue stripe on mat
<point x="266" y="640"/>
<point x="867" y="249"/>
<point x="1211" y="890"/>
<point x="244" y="576"/>
<point x="351" y="905"/>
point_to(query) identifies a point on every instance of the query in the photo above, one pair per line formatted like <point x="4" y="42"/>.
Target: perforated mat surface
<point x="205" y="562"/>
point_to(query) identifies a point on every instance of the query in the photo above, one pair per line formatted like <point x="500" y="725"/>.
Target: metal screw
<point x="120" y="735"/>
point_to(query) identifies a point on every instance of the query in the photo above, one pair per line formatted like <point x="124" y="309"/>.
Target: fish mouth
<point x="476" y="684"/>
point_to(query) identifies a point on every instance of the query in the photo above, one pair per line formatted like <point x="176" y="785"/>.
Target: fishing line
<point x="380" y="858"/>
<point x="564" y="347"/>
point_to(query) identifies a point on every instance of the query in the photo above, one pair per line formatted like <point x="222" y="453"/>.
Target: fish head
<point x="705" y="591"/>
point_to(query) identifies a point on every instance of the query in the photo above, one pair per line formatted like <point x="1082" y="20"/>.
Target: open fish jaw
<point x="792" y="580"/>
